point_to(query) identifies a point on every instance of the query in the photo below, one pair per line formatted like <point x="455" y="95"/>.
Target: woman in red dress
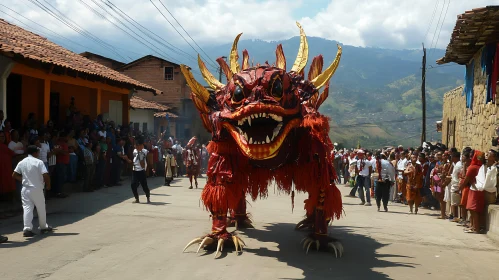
<point x="7" y="184"/>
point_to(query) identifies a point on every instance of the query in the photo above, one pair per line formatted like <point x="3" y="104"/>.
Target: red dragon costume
<point x="266" y="127"/>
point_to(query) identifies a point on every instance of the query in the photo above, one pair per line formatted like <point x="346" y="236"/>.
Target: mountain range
<point x="375" y="94"/>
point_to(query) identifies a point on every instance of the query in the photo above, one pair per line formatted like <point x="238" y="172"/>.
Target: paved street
<point x="102" y="235"/>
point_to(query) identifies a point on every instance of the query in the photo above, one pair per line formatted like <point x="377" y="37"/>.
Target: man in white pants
<point x="34" y="175"/>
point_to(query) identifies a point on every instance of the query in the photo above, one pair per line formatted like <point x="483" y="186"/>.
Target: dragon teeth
<point x="251" y="140"/>
<point x="267" y="139"/>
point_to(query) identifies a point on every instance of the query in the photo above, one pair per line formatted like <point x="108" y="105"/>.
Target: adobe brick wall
<point x="151" y="72"/>
<point x="474" y="128"/>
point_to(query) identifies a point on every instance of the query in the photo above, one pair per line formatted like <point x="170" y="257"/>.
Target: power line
<point x="184" y="30"/>
<point x="53" y="32"/>
<point x="438" y="37"/>
<point x="448" y="65"/>
<point x="74" y="26"/>
<point x="133" y="37"/>
<point x="37" y="30"/>
<point x="133" y="22"/>
<point x="208" y="61"/>
<point x="431" y="21"/>
<point x="156" y="49"/>
<point x="438" y="23"/>
<point x="26" y="26"/>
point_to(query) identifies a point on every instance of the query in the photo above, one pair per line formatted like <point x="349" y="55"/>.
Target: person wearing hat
<point x="170" y="165"/>
<point x="139" y="170"/>
<point x="34" y="176"/>
<point x="192" y="161"/>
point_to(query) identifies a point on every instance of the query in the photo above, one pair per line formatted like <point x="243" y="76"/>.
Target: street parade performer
<point x="170" y="165"/>
<point x="192" y="161"/>
<point x="266" y="127"/>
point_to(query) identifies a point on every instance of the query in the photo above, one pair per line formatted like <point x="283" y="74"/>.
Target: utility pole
<point x="220" y="70"/>
<point x="423" y="97"/>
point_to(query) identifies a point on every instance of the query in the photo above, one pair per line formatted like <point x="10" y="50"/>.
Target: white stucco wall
<point x="143" y="116"/>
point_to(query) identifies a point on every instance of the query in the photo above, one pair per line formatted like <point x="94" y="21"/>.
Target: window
<point x="144" y="127"/>
<point x="169" y="73"/>
<point x="136" y="126"/>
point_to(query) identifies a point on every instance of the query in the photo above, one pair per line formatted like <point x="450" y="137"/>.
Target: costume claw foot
<point x="246" y="223"/>
<point x="332" y="246"/>
<point x="307" y="242"/>
<point x="337" y="247"/>
<point x="240" y="221"/>
<point x="307" y="224"/>
<point x="210" y="241"/>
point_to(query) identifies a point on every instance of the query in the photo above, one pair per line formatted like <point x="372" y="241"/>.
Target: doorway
<point x="14" y="100"/>
<point x="54" y="108"/>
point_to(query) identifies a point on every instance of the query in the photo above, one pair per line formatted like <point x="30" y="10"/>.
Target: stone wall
<point x="473" y="127"/>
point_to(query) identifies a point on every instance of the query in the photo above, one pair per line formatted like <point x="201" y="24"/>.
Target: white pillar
<point x="6" y="65"/>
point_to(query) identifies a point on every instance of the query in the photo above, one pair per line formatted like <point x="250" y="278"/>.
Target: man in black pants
<point x="386" y="178"/>
<point x="139" y="170"/>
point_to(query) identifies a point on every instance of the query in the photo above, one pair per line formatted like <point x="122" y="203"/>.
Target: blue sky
<point x="395" y="24"/>
<point x="310" y="8"/>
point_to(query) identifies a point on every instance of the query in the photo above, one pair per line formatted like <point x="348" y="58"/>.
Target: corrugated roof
<point x="140" y="103"/>
<point x="164" y="114"/>
<point x="16" y="40"/>
<point x="90" y="54"/>
<point x="473" y="30"/>
<point x="128" y="65"/>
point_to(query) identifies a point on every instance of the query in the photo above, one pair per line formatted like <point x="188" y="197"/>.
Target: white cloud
<point x="381" y="23"/>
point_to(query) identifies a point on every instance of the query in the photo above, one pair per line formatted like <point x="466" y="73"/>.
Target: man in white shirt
<point x="102" y="132"/>
<point x="32" y="173"/>
<point x="45" y="149"/>
<point x="490" y="186"/>
<point x="139" y="171"/>
<point x="386" y="178"/>
<point x="363" y="170"/>
<point x="455" y="196"/>
<point x="401" y="178"/>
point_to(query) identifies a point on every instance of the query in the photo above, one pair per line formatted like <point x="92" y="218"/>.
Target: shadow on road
<point x="61" y="212"/>
<point x="358" y="262"/>
<point x="31" y="240"/>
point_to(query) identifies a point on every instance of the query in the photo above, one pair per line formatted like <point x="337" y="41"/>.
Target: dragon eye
<point x="276" y="89"/>
<point x="238" y="95"/>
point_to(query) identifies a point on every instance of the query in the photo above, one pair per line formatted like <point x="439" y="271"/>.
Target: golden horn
<point x="245" y="60"/>
<point x="208" y="77"/>
<point x="234" y="57"/>
<point x="302" y="57"/>
<point x="280" y="58"/>
<point x="197" y="89"/>
<point x="324" y="77"/>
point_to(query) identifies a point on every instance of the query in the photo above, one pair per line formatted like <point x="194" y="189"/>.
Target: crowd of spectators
<point x="458" y="184"/>
<point x="81" y="154"/>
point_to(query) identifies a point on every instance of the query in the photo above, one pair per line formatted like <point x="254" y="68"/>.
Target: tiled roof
<point x="164" y="114"/>
<point x="140" y="103"/>
<point x="18" y="41"/>
<point x="473" y="30"/>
